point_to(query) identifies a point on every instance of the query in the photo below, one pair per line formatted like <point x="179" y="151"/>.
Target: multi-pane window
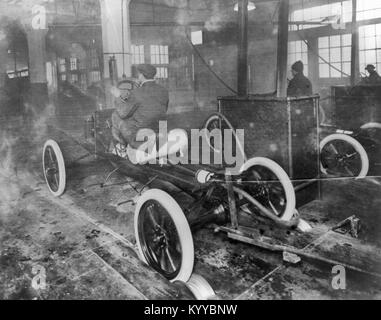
<point x="328" y="12"/>
<point x="73" y="78"/>
<point x="93" y="59"/>
<point x="335" y="56"/>
<point x="95" y="76"/>
<point x="370" y="46"/>
<point x="62" y="65"/>
<point x="160" y="58"/>
<point x="162" y="73"/>
<point x="159" y="54"/>
<point x="183" y="71"/>
<point x="368" y="9"/>
<point x="321" y="15"/>
<point x="137" y="54"/>
<point x="298" y="50"/>
<point x="73" y="64"/>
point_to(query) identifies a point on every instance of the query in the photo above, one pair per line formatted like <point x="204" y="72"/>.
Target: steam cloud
<point x="20" y="153"/>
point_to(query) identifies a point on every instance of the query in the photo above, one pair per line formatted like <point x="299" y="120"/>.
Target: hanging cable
<point x="208" y="66"/>
<point x="123" y="53"/>
<point x="324" y="60"/>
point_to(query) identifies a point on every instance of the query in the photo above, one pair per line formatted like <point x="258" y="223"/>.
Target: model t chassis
<point x="182" y="199"/>
<point x="187" y="201"/>
<point x="261" y="195"/>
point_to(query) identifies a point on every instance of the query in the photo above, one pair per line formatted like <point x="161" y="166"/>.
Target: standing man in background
<point x="300" y="85"/>
<point x="374" y="77"/>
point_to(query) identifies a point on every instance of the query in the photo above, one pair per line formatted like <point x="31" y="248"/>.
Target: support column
<point x="38" y="91"/>
<point x="355" y="67"/>
<point x="116" y="36"/>
<point x="37" y="56"/>
<point x="242" y="48"/>
<point x="282" y="51"/>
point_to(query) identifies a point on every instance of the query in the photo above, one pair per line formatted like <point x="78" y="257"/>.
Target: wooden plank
<point x="153" y="285"/>
<point x="349" y="251"/>
<point x="308" y="282"/>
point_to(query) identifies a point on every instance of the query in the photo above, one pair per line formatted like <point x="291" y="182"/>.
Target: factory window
<point x="160" y="58"/>
<point x="159" y="54"/>
<point x="318" y="16"/>
<point x="83" y="82"/>
<point x="298" y="50"/>
<point x="95" y="76"/>
<point x="94" y="61"/>
<point x="73" y="64"/>
<point x="335" y="56"/>
<point x="370" y="46"/>
<point x="182" y="68"/>
<point x="62" y="65"/>
<point x="368" y="9"/>
<point x="73" y="78"/>
<point x="162" y="73"/>
<point x="137" y="53"/>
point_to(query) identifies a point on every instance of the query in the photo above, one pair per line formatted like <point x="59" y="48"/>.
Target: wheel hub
<point x="51" y="170"/>
<point x="160" y="237"/>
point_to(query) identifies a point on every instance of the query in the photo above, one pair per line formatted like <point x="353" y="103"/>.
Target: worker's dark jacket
<point x="144" y="108"/>
<point x="299" y="86"/>
<point x="374" y="78"/>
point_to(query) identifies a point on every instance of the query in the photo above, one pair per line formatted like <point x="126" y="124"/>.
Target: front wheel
<point x="163" y="235"/>
<point x="54" y="168"/>
<point x="266" y="181"/>
<point x="343" y="156"/>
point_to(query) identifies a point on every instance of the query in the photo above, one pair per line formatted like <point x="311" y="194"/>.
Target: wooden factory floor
<point x="85" y="242"/>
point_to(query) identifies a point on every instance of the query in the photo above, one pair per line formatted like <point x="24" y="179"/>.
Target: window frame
<point x="342" y="64"/>
<point x="159" y="57"/>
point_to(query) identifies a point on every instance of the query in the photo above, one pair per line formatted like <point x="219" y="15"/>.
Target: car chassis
<point x="261" y="191"/>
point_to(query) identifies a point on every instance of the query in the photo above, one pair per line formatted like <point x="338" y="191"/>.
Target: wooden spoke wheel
<point x="343" y="156"/>
<point x="163" y="235"/>
<point x="216" y="142"/>
<point x="54" y="168"/>
<point x="269" y="184"/>
<point x="373" y="130"/>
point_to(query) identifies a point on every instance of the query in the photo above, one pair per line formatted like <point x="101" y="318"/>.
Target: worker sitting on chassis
<point x="142" y="108"/>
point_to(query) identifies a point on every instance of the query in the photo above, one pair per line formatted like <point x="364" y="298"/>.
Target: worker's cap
<point x="147" y="70"/>
<point x="298" y="66"/>
<point x="370" y="67"/>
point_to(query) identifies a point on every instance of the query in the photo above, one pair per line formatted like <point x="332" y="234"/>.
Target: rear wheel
<point x="343" y="156"/>
<point x="218" y="121"/>
<point x="373" y="130"/>
<point x="163" y="235"/>
<point x="265" y="181"/>
<point x="54" y="168"/>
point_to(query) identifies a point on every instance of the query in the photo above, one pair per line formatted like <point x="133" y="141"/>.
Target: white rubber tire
<point x="200" y="288"/>
<point x="61" y="167"/>
<point x="355" y="144"/>
<point x="283" y="179"/>
<point x="219" y="116"/>
<point x="371" y="125"/>
<point x="181" y="224"/>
